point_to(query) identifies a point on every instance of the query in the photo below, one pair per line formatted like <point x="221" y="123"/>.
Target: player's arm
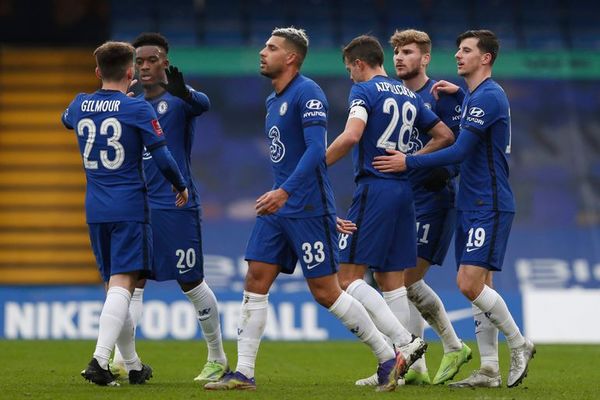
<point x="448" y="88"/>
<point x="153" y="139"/>
<point x="355" y="126"/>
<point x="396" y="161"/>
<point x="441" y="136"/>
<point x="67" y="117"/>
<point x="168" y="167"/>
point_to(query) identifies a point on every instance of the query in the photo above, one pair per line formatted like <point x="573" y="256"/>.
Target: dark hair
<point x="487" y="41"/>
<point x="151" y="39"/>
<point x="113" y="60"/>
<point x="366" y="48"/>
<point x="297" y="38"/>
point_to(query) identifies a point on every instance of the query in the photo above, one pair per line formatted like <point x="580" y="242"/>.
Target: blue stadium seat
<point x="223" y="23"/>
<point x="315" y="16"/>
<point x="405" y="15"/>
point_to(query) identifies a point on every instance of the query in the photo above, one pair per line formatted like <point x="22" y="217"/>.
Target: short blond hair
<point x="409" y="36"/>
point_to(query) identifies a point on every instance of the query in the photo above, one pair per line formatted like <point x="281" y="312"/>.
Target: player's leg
<point x="488" y="374"/>
<point x="487" y="337"/>
<point x="267" y="247"/>
<point x="251" y="326"/>
<point x="314" y="242"/>
<point x="187" y="266"/>
<point x="350" y="278"/>
<point x="433" y="238"/>
<point x="354" y="316"/>
<point x="484" y="251"/>
<point x="120" y="250"/>
<point x="117" y="364"/>
<point x="378" y="209"/>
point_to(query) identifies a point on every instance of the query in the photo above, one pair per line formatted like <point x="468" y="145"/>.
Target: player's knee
<point x="467" y="287"/>
<point x="345" y="281"/>
<point x="324" y="298"/>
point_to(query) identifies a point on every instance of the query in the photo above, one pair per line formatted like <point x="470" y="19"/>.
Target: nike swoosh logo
<point x="313" y="266"/>
<point x="472" y="249"/>
<point x="181" y="272"/>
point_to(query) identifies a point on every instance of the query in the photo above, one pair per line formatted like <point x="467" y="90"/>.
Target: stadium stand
<point x="43" y="236"/>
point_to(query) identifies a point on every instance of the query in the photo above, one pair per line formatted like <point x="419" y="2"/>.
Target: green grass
<point x="323" y="370"/>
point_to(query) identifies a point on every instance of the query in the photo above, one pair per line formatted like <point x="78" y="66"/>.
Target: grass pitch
<point x="322" y="370"/>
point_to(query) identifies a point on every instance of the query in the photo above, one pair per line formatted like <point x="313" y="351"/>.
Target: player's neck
<point x="373" y="72"/>
<point x="416" y="82"/>
<point x="475" y="79"/>
<point x="121" y="86"/>
<point x="282" y="81"/>
<point x="153" y="91"/>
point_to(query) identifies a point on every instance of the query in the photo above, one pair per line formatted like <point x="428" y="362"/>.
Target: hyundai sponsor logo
<point x="476" y="112"/>
<point x="314" y="104"/>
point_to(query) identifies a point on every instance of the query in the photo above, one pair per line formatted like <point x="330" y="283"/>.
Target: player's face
<point x="468" y="57"/>
<point x="273" y="57"/>
<point x="353" y="68"/>
<point x="408" y="61"/>
<point x="150" y="63"/>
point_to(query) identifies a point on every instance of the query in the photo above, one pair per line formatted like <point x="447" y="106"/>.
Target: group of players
<point x="400" y="222"/>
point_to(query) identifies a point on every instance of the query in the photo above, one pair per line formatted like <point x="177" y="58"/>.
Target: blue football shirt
<point x="393" y="112"/>
<point x="484" y="173"/>
<point x="177" y="118"/>
<point x="447" y="108"/>
<point x="112" y="130"/>
<point x="290" y="115"/>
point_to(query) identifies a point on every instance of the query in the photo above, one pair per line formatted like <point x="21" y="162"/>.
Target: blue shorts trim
<point x="177" y="237"/>
<point x="482" y="237"/>
<point x="435" y="229"/>
<point x="121" y="247"/>
<point x="286" y="241"/>
<point x="384" y="214"/>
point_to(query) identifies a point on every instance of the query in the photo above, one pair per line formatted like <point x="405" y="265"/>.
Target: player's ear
<point x="130" y="73"/>
<point x="486" y="59"/>
<point x="98" y="74"/>
<point x="167" y="63"/>
<point x="291" y="58"/>
<point x="426" y="59"/>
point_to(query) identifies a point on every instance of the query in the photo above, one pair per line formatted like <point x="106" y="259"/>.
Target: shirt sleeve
<point x="151" y="131"/>
<point x="197" y="104"/>
<point x="454" y="154"/>
<point x="314" y="138"/>
<point x="358" y="98"/>
<point x="67" y="117"/>
<point x="448" y="109"/>
<point x="313" y="106"/>
<point x="482" y="112"/>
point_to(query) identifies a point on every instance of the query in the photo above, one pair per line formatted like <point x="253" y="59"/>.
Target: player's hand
<point x="437" y="179"/>
<point x="181" y="198"/>
<point x="345" y="226"/>
<point x="130" y="91"/>
<point x="271" y="201"/>
<point x="395" y="161"/>
<point x="444" y="87"/>
<point x="175" y="84"/>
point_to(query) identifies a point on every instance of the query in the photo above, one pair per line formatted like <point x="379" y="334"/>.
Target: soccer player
<point x="434" y="192"/>
<point x="485" y="201"/>
<point x="112" y="130"/>
<point x="382" y="116"/>
<point x="176" y="231"/>
<point x="296" y="219"/>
